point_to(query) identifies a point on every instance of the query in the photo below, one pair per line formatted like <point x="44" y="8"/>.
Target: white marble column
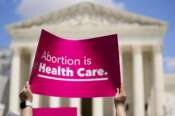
<point x="15" y="81"/>
<point x="121" y="64"/>
<point x="32" y="53"/>
<point x="158" y="81"/>
<point x="97" y="106"/>
<point x="76" y="102"/>
<point x="54" y="102"/>
<point x="138" y="84"/>
<point x="36" y="98"/>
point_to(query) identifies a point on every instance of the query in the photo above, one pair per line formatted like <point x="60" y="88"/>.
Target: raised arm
<point x="26" y="101"/>
<point x="119" y="101"/>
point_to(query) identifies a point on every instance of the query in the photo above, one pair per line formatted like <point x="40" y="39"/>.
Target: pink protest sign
<point x="76" y="68"/>
<point x="54" y="112"/>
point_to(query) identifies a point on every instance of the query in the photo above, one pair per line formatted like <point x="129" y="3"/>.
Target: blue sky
<point x="10" y="12"/>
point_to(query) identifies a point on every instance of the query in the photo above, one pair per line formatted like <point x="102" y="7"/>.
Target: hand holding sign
<point x="76" y="68"/>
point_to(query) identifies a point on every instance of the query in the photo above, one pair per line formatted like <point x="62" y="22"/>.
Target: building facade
<point x="169" y="95"/>
<point x="140" y="43"/>
<point x="5" y="60"/>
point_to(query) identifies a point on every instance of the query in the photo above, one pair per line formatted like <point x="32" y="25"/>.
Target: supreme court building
<point x="140" y="43"/>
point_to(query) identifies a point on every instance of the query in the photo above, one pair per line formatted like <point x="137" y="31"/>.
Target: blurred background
<point x="146" y="42"/>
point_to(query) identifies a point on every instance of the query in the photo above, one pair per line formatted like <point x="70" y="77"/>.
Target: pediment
<point x="87" y="13"/>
